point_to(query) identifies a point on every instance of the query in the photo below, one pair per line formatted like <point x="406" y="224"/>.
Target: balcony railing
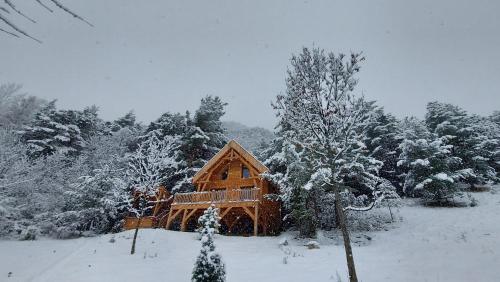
<point x="217" y="196"/>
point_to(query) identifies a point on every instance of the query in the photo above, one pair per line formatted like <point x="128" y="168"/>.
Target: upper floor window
<point x="245" y="173"/>
<point x="224" y="174"/>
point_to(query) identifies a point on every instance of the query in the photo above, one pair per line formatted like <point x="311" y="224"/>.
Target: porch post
<point x="256" y="221"/>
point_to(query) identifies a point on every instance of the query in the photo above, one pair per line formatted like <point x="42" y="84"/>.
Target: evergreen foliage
<point x="382" y="141"/>
<point x="467" y="143"/>
<point x="202" y="138"/>
<point x="209" y="266"/>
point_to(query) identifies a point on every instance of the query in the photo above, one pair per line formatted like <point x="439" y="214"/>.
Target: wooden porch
<point x="233" y="205"/>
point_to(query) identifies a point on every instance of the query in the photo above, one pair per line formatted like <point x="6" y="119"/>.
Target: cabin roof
<point x="232" y="144"/>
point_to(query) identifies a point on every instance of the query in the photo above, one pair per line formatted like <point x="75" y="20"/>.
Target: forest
<point x="68" y="173"/>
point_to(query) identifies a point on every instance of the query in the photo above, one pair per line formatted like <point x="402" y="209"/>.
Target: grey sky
<point x="157" y="56"/>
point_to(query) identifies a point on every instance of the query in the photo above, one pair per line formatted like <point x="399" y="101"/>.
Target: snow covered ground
<point x="430" y="244"/>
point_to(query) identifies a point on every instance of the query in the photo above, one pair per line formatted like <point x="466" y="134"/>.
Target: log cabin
<point x="232" y="181"/>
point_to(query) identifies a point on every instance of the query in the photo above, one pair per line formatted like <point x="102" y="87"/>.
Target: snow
<point x="422" y="184"/>
<point x="429" y="244"/>
<point x="421" y="162"/>
<point x="443" y="176"/>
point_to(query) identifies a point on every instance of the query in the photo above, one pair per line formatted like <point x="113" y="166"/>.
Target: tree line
<point x="67" y="173"/>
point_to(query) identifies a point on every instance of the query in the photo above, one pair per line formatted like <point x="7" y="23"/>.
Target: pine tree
<point x="428" y="164"/>
<point x="169" y="124"/>
<point x="210" y="219"/>
<point x="53" y="131"/>
<point x="207" y="119"/>
<point x="459" y="130"/>
<point x="128" y="120"/>
<point x="89" y="123"/>
<point x="382" y="141"/>
<point x="488" y="146"/>
<point x="289" y="171"/>
<point x="201" y="140"/>
<point x="209" y="266"/>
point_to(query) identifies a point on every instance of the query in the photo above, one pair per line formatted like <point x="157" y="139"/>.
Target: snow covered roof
<point x="249" y="157"/>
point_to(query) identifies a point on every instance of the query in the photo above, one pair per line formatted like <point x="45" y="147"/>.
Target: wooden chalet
<point x="231" y="181"/>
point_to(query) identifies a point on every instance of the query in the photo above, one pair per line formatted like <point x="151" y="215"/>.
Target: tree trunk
<point x="345" y="234"/>
<point x="132" y="251"/>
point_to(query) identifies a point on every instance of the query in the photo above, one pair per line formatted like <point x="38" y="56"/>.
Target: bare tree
<point x="8" y="8"/>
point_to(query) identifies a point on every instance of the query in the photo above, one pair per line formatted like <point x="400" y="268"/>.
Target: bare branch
<point x="13" y="7"/>
<point x="45" y="6"/>
<point x="4" y="9"/>
<point x="9" y="33"/>
<point x="13" y="26"/>
<point x="67" y="10"/>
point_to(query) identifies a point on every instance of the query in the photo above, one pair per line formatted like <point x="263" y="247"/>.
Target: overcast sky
<point x="157" y="56"/>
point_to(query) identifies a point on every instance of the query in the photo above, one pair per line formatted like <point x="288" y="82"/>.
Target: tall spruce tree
<point x="207" y="118"/>
<point x="202" y="139"/>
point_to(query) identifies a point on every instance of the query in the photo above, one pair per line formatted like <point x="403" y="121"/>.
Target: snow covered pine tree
<point x="202" y="139"/>
<point x="53" y="131"/>
<point x="427" y="164"/>
<point x="467" y="142"/>
<point x="209" y="266"/>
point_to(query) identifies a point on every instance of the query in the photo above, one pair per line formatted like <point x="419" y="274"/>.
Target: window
<point x="245" y="173"/>
<point x="224" y="174"/>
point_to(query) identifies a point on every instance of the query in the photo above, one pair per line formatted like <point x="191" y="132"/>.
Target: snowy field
<point x="430" y="244"/>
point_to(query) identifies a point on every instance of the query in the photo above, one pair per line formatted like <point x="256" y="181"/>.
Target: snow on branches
<point x="153" y="157"/>
<point x="322" y="116"/>
<point x="209" y="266"/>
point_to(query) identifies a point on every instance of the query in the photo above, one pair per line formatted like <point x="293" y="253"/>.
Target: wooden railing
<point x="220" y="196"/>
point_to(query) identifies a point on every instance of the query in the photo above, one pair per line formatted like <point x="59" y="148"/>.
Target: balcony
<point x="217" y="197"/>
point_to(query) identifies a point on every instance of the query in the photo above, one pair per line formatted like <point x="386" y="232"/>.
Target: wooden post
<point x="265" y="222"/>
<point x="184" y="219"/>
<point x="256" y="221"/>
<point x="169" y="218"/>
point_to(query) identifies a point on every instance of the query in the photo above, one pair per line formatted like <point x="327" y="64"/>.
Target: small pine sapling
<point x="209" y="266"/>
